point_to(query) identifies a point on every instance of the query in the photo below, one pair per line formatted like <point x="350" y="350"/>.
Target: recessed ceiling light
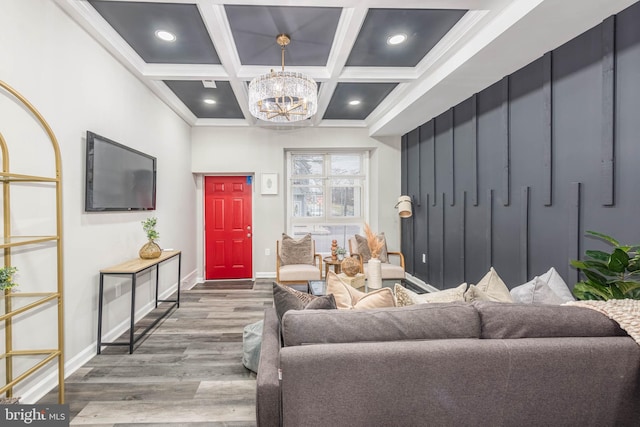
<point x="354" y="102"/>
<point x="209" y="101"/>
<point x="396" y="39"/>
<point x="166" y="36"/>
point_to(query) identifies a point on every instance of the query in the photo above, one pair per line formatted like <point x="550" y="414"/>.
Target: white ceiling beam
<point x="185" y="72"/>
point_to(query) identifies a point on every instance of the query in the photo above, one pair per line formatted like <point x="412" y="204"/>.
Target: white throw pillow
<point x="535" y="292"/>
<point x="491" y="288"/>
<point x="557" y="285"/>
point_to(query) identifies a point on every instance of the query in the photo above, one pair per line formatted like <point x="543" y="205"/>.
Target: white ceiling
<point x="493" y="39"/>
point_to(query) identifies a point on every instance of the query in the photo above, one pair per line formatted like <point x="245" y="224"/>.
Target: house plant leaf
<point x="609" y="239"/>
<point x="618" y="261"/>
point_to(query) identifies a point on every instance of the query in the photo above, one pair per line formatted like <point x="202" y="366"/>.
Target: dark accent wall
<point x="513" y="176"/>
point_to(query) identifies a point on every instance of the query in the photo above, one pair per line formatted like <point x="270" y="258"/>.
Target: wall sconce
<point x="404" y="206"/>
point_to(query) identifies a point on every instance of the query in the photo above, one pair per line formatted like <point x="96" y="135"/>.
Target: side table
<point x="336" y="263"/>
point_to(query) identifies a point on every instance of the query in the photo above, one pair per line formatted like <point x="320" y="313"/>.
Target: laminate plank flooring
<point x="187" y="372"/>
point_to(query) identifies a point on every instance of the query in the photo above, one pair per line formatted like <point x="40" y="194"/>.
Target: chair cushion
<point x="300" y="272"/>
<point x="388" y="270"/>
<point x="296" y="251"/>
<point x="365" y="252"/>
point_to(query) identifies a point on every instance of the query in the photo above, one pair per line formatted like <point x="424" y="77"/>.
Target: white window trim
<point x="366" y="196"/>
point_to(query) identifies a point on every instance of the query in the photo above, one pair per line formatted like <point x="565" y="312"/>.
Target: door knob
<point x="248" y="227"/>
<point x="248" y="235"/>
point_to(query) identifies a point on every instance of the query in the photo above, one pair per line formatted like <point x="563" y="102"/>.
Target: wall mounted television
<point x="118" y="178"/>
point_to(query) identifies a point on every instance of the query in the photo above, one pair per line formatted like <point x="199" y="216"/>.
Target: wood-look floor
<point x="187" y="372"/>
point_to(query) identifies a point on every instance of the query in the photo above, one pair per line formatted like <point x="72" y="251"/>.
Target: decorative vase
<point x="340" y="257"/>
<point x="150" y="250"/>
<point x="374" y="281"/>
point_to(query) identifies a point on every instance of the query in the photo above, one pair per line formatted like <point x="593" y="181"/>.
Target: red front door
<point x="228" y="228"/>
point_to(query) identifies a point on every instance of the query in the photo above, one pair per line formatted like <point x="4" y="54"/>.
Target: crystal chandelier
<point x="283" y="96"/>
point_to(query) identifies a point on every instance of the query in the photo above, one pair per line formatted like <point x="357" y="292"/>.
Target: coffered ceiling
<point x="453" y="48"/>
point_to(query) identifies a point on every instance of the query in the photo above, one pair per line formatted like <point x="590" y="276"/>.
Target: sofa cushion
<point x="517" y="320"/>
<point x="348" y="297"/>
<point x="285" y="299"/>
<point x="417" y="322"/>
<point x="296" y="251"/>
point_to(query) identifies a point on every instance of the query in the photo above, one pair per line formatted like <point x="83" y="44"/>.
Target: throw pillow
<point x="296" y="251"/>
<point x="447" y="295"/>
<point x="475" y="294"/>
<point x="403" y="298"/>
<point x="365" y="252"/>
<point x="492" y="288"/>
<point x="535" y="291"/>
<point x="285" y="299"/>
<point x="348" y="297"/>
<point x="557" y="285"/>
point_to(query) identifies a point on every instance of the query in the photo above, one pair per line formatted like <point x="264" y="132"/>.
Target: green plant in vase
<point x="150" y="249"/>
<point x="6" y="278"/>
<point x="609" y="275"/>
<point x="341" y="252"/>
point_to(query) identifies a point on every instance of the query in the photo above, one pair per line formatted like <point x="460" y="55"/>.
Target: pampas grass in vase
<point x="374" y="269"/>
<point x="375" y="244"/>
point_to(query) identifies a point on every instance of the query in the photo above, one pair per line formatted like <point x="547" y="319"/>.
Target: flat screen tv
<point x="118" y="178"/>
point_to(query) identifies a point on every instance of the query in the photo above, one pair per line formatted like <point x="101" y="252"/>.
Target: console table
<point x="133" y="268"/>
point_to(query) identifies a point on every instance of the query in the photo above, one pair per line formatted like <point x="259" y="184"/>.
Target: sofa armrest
<point x="268" y="401"/>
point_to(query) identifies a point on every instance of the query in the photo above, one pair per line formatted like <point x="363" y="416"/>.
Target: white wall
<point x="78" y="86"/>
<point x="258" y="150"/>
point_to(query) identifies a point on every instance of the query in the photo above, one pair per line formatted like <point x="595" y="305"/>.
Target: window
<point x="326" y="195"/>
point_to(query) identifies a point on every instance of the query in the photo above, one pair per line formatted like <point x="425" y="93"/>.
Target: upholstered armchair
<point x="296" y="260"/>
<point x="390" y="270"/>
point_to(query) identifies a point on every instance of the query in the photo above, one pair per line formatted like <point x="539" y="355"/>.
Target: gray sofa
<point x="449" y="364"/>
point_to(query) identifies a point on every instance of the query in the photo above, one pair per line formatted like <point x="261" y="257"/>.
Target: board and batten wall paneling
<point x="608" y="110"/>
<point x="547" y="125"/>
<point x="564" y="130"/>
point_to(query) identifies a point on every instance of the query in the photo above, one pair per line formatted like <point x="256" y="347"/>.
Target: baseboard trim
<point x="265" y="275"/>
<point x="32" y="393"/>
<point x="421" y="284"/>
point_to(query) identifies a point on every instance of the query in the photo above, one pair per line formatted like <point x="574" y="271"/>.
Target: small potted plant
<point x="150" y="249"/>
<point x="6" y="278"/>
<point x="341" y="252"/>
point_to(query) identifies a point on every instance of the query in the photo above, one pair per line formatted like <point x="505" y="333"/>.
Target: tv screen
<point x="118" y="178"/>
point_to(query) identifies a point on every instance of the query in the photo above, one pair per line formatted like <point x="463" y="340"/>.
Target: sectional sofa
<point x="447" y="364"/>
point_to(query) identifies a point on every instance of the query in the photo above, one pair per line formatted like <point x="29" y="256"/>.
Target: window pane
<point x="345" y="164"/>
<point x="311" y="181"/>
<point x="308" y="164"/>
<point x="345" y="202"/>
<point x="307" y="202"/>
<point x="323" y="234"/>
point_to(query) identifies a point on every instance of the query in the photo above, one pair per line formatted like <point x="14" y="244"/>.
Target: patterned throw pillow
<point x="403" y="298"/>
<point x="298" y="251"/>
<point x="348" y="297"/>
<point x="406" y="297"/>
<point x="365" y="252"/>
<point x="285" y="299"/>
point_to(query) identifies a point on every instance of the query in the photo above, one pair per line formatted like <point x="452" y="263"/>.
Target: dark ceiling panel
<point x="424" y="28"/>
<point x="255" y="28"/>
<point x="137" y="23"/>
<point x="369" y="95"/>
<point x="193" y="93"/>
